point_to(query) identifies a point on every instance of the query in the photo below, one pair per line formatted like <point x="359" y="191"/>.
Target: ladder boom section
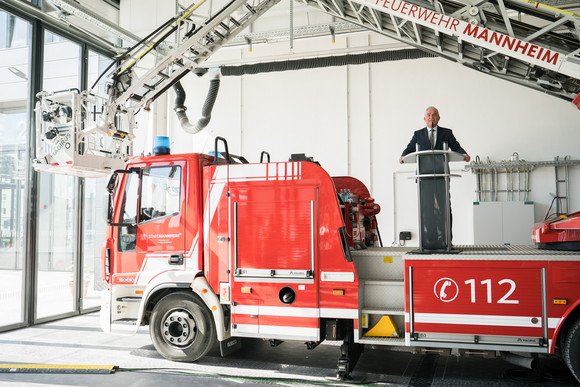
<point x="541" y="51"/>
<point x="187" y="43"/>
<point x="81" y="134"/>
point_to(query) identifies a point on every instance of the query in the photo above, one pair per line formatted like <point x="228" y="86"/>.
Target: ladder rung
<point x="249" y="7"/>
<point x="234" y="21"/>
<point x="163" y="75"/>
<point x="218" y="34"/>
<point x="225" y="27"/>
<point x="149" y="87"/>
<point x="158" y="83"/>
<point x="136" y="97"/>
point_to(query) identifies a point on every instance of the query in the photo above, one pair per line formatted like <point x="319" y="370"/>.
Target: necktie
<point x="432" y="138"/>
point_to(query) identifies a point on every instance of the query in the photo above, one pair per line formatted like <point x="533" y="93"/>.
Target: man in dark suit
<point x="433" y="137"/>
<point x="439" y="135"/>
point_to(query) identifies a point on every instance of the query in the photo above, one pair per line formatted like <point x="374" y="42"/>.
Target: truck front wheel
<point x="572" y="350"/>
<point x="181" y="327"/>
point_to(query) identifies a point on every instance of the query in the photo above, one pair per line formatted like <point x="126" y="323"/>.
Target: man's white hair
<point x="432" y="107"/>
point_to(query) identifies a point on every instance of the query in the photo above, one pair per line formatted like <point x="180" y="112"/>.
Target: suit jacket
<point x="421" y="137"/>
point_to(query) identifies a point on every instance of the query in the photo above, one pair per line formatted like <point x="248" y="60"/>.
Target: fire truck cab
<point x="203" y="251"/>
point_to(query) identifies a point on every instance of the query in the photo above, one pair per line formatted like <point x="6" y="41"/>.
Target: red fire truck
<point x="204" y="249"/>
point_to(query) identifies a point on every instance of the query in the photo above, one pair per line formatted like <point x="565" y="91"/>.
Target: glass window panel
<point x="93" y="237"/>
<point x="97" y="66"/>
<point x="56" y="245"/>
<point x="128" y="235"/>
<point x="94" y="202"/>
<point x="160" y="192"/>
<point x="13" y="31"/>
<point x="57" y="213"/>
<point x="62" y="65"/>
<point x="15" y="36"/>
<point x="129" y="214"/>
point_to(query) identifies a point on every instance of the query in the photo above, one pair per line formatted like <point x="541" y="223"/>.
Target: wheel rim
<point x="178" y="328"/>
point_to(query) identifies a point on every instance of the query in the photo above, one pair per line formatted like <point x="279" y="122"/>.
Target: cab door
<point x="151" y="239"/>
<point x="161" y="227"/>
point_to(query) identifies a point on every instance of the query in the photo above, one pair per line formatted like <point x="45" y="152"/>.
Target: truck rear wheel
<point x="572" y="350"/>
<point x="181" y="327"/>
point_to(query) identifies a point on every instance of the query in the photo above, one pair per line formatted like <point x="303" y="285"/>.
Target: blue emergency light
<point x="160" y="146"/>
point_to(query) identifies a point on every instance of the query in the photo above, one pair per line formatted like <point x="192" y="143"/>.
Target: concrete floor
<point x="79" y="341"/>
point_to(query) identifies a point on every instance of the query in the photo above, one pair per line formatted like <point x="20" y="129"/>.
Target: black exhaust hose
<point x="179" y="96"/>
<point x="329" y="61"/>
<point x="180" y="109"/>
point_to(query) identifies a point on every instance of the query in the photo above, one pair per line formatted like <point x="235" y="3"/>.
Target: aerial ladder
<point x="82" y="134"/>
<point x="521" y="41"/>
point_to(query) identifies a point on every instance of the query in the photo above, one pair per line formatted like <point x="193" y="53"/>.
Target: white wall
<point x="357" y="119"/>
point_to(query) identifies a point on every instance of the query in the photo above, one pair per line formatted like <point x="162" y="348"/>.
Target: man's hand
<point x="400" y="160"/>
<point x="466" y="157"/>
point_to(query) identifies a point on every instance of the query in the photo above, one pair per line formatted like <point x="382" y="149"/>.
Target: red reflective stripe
<point x="479" y="329"/>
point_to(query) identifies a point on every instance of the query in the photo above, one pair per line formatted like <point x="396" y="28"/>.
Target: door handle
<point x="176" y="259"/>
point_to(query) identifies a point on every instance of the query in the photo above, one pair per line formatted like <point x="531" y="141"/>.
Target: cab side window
<point x="128" y="234"/>
<point x="160" y="192"/>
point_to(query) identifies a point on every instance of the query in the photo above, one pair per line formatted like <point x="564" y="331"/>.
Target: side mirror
<point x="108" y="206"/>
<point x="108" y="199"/>
<point x="112" y="182"/>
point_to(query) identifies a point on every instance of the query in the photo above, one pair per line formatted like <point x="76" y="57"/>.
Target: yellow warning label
<point x="388" y="259"/>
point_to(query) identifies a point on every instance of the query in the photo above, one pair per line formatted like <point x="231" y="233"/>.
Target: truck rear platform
<point x="508" y="298"/>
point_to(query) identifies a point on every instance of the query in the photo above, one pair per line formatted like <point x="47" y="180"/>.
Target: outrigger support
<point x="349" y="355"/>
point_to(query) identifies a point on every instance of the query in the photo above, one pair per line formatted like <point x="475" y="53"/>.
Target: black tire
<point x="572" y="350"/>
<point x="182" y="327"/>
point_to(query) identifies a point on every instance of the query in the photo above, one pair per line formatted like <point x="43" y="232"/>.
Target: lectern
<point x="432" y="178"/>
